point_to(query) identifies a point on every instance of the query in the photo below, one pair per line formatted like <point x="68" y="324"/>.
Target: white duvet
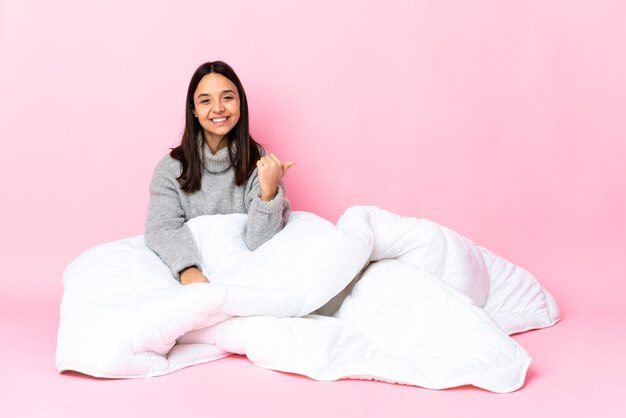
<point x="378" y="296"/>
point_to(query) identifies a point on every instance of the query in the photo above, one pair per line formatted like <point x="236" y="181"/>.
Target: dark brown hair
<point x="243" y="156"/>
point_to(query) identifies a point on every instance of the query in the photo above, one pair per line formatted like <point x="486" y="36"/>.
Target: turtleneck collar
<point x="218" y="162"/>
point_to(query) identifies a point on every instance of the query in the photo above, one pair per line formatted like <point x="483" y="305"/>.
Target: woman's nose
<point x="218" y="106"/>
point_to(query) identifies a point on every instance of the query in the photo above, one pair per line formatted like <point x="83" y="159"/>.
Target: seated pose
<point x="217" y="169"/>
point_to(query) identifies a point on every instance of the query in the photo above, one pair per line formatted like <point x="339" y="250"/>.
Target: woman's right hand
<point x="192" y="275"/>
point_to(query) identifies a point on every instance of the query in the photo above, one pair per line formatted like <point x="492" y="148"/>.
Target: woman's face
<point x="216" y="105"/>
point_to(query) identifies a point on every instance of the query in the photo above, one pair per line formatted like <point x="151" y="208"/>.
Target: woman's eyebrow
<point x="223" y="92"/>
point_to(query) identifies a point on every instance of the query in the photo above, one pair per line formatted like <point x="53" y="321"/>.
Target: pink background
<point x="505" y="120"/>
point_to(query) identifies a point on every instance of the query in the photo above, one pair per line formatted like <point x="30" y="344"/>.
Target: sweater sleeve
<point x="166" y="232"/>
<point x="265" y="219"/>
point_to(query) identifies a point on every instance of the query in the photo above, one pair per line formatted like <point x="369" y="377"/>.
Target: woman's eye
<point x="228" y="97"/>
<point x="204" y="101"/>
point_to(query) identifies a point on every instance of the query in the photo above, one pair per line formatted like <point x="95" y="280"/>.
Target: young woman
<point x="217" y="169"/>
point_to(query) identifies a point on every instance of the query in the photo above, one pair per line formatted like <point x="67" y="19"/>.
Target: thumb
<point x="287" y="166"/>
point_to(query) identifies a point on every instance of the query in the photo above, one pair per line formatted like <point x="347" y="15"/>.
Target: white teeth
<point x="218" y="120"/>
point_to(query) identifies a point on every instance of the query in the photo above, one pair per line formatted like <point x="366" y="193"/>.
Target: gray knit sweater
<point x="166" y="232"/>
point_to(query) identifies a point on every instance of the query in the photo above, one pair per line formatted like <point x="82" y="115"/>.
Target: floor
<point x="578" y="370"/>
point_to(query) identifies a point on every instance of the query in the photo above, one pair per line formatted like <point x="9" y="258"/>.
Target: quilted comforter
<point x="377" y="296"/>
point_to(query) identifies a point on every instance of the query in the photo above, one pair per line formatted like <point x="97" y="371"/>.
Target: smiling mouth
<point x="219" y="120"/>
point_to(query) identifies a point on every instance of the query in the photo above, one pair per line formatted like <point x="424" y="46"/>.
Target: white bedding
<point x="378" y="296"/>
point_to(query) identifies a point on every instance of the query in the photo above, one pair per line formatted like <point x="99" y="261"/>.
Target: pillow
<point x="423" y="244"/>
<point x="308" y="262"/>
<point x="517" y="302"/>
<point x="122" y="311"/>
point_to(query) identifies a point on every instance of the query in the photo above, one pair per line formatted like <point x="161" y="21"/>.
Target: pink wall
<point x="503" y="120"/>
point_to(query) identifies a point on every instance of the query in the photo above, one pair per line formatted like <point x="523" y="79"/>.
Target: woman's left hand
<point x="271" y="172"/>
